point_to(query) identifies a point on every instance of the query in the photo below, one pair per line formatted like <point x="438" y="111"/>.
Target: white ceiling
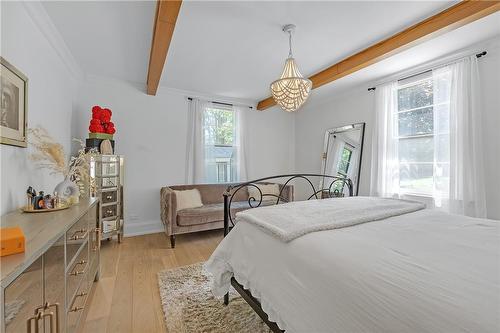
<point x="108" y="38"/>
<point x="236" y="48"/>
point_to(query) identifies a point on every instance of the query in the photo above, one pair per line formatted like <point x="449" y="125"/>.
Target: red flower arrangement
<point x="101" y="121"/>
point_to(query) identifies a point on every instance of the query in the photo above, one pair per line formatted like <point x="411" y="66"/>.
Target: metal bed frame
<point x="345" y="185"/>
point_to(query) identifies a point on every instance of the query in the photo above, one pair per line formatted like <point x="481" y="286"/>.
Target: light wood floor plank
<point x="126" y="298"/>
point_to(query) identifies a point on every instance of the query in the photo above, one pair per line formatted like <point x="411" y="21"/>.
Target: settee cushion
<point x="211" y="213"/>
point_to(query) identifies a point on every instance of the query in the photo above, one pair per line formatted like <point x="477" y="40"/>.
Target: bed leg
<point x="172" y="241"/>
<point x="226" y="299"/>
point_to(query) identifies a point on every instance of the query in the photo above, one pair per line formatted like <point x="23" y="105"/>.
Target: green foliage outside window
<point x="219" y="127"/>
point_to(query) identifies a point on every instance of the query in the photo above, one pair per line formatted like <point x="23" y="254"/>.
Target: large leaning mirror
<point x="342" y="152"/>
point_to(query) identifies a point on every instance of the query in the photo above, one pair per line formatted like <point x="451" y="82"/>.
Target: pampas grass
<point x="50" y="155"/>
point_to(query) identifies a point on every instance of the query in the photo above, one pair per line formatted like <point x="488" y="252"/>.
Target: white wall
<point x="51" y="91"/>
<point x="489" y="67"/>
<point x="357" y="105"/>
<point x="151" y="134"/>
<point x="354" y="106"/>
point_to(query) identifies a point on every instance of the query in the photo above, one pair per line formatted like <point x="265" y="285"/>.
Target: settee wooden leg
<point x="172" y="241"/>
<point x="226" y="299"/>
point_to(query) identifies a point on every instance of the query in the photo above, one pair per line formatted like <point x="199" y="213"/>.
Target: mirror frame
<point x="324" y="156"/>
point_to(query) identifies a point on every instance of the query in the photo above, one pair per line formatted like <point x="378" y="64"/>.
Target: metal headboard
<point x="329" y="191"/>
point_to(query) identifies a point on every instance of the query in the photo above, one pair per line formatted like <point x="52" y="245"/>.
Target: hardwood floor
<point x="126" y="298"/>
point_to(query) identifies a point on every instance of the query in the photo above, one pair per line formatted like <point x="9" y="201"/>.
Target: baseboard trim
<point x="143" y="228"/>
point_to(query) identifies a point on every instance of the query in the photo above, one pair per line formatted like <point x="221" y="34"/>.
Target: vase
<point x="67" y="189"/>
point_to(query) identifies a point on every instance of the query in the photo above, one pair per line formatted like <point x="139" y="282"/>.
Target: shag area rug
<point x="190" y="307"/>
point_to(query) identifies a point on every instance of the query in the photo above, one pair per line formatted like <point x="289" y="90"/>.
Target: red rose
<point x="111" y="124"/>
<point x="96" y="112"/>
<point x="110" y="130"/>
<point x="105" y="115"/>
<point x="96" y="129"/>
<point x="108" y="111"/>
<point x="95" y="122"/>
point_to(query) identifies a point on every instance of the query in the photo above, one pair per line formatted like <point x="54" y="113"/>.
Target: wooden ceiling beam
<point x="454" y="17"/>
<point x="164" y="25"/>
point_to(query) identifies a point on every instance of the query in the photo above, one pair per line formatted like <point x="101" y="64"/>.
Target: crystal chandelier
<point x="292" y="89"/>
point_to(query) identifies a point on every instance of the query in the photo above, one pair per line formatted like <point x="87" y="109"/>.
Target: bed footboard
<point x="337" y="187"/>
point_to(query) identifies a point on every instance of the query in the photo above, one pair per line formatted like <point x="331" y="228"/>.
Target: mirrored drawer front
<point x="77" y="271"/>
<point x="76" y="236"/>
<point x="107" y="168"/>
<point x="77" y="306"/>
<point x="109" y="211"/>
<point x="108" y="182"/>
<point x="94" y="265"/>
<point x="109" y="196"/>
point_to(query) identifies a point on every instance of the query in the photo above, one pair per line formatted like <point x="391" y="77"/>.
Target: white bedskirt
<point x="425" y="271"/>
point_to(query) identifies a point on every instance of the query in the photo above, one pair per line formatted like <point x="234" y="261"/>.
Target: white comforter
<point x="420" y="272"/>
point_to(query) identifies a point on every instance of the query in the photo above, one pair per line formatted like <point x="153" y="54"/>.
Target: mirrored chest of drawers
<point x="106" y="172"/>
<point x="46" y="288"/>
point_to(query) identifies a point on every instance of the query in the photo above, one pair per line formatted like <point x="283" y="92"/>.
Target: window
<point x="421" y="122"/>
<point x="344" y="162"/>
<point x="219" y="126"/>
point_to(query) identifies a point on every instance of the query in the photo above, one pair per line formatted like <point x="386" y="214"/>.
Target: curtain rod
<point x="221" y="103"/>
<point x="478" y="55"/>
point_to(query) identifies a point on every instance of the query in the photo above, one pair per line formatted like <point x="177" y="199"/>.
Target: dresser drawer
<point x="109" y="196"/>
<point x="109" y="211"/>
<point x="77" y="271"/>
<point x="76" y="236"/>
<point x="77" y="305"/>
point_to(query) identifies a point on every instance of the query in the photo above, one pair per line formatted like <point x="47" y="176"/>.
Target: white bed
<point x="424" y="271"/>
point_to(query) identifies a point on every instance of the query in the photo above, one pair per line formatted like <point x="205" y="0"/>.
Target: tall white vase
<point x="67" y="189"/>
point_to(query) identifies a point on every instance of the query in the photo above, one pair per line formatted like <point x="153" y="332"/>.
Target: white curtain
<point x="458" y="170"/>
<point x="385" y="160"/>
<point x="195" y="157"/>
<point x="466" y="189"/>
<point x="240" y="142"/>
<point x="201" y="155"/>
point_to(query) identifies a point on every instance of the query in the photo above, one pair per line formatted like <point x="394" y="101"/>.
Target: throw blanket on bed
<point x="292" y="220"/>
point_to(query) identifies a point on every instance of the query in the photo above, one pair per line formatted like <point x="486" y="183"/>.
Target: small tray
<point x="26" y="210"/>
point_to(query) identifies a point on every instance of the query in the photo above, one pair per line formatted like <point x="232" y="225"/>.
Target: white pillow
<point x="265" y="189"/>
<point x="188" y="199"/>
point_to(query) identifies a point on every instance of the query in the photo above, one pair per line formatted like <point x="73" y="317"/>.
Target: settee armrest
<point x="168" y="206"/>
<point x="287" y="193"/>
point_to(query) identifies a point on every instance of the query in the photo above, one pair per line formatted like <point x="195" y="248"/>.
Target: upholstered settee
<point x="211" y="214"/>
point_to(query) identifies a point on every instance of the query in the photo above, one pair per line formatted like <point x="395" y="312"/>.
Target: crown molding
<point x="47" y="27"/>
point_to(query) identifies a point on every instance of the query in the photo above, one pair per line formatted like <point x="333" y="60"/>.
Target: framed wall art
<point x="14" y="105"/>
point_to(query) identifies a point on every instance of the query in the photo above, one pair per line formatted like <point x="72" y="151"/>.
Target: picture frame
<point x="13" y="105"/>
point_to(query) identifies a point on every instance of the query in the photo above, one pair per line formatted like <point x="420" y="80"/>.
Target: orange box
<point x="11" y="241"/>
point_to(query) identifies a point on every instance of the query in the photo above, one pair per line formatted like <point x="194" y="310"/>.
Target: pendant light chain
<point x="290" y="55"/>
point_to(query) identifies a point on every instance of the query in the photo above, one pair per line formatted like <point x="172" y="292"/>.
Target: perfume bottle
<point x="29" y="198"/>
<point x="39" y="203"/>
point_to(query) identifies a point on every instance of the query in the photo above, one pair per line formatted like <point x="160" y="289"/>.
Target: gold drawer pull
<point x="109" y="211"/>
<point x="75" y="235"/>
<point x="109" y="197"/>
<point x="81" y="262"/>
<point x="76" y="308"/>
